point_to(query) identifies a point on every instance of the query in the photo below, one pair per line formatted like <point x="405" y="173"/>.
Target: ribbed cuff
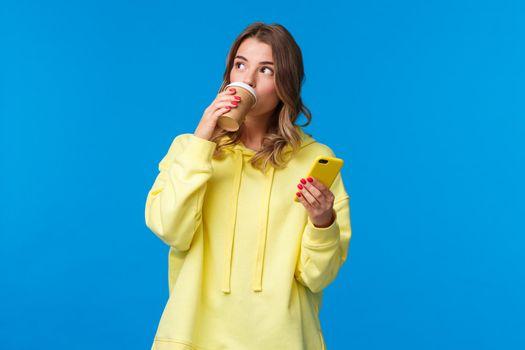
<point x="321" y="236"/>
<point x="199" y="148"/>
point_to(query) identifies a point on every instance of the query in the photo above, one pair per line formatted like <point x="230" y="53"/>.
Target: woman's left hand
<point x="318" y="201"/>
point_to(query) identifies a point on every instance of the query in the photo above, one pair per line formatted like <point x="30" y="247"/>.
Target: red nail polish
<point x="237" y="97"/>
<point x="298" y="194"/>
<point x="300" y="186"/>
<point x="310" y="179"/>
<point x="303" y="181"/>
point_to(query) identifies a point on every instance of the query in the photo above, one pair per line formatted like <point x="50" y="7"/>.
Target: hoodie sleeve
<point x="174" y="202"/>
<point x="324" y="250"/>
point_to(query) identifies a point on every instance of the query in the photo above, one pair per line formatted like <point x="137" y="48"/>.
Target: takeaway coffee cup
<point x="233" y="119"/>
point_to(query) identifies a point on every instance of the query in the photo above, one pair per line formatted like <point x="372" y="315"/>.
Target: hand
<point x="318" y="201"/>
<point x="224" y="101"/>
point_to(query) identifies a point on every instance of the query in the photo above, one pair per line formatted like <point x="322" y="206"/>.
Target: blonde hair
<point x="289" y="76"/>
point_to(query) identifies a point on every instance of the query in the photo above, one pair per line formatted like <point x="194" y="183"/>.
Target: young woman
<point x="247" y="264"/>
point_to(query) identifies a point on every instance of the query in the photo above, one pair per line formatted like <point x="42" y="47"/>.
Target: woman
<point x="247" y="264"/>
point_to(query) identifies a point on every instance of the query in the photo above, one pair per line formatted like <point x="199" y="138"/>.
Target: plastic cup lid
<point x="245" y="86"/>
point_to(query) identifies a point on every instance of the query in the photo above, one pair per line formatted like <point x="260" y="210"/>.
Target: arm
<point x="325" y="249"/>
<point x="174" y="203"/>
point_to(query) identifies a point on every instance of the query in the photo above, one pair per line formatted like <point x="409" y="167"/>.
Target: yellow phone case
<point x="324" y="169"/>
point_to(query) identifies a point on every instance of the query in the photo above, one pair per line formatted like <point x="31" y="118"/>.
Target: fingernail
<point x="303" y="181"/>
<point x="298" y="194"/>
<point x="237" y="97"/>
<point x="300" y="186"/>
<point x="310" y="179"/>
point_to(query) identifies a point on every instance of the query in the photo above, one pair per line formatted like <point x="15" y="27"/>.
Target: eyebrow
<point x="263" y="62"/>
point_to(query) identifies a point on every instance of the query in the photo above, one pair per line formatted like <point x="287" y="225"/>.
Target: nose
<point x="249" y="79"/>
<point x="249" y="82"/>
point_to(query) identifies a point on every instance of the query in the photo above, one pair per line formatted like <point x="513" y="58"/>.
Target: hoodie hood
<point x="242" y="156"/>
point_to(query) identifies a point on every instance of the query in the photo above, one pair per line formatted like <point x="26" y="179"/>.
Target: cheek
<point x="235" y="76"/>
<point x="270" y="96"/>
<point x="269" y="92"/>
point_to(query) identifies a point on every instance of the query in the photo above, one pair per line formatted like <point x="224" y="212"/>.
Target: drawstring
<point x="229" y="246"/>
<point x="238" y="152"/>
<point x="263" y="233"/>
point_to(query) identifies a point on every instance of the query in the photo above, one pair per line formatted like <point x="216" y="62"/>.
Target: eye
<point x="268" y="69"/>
<point x="262" y="69"/>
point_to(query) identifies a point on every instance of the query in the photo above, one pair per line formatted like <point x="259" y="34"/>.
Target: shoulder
<point x="323" y="149"/>
<point x="310" y="145"/>
<point x="181" y="141"/>
<point x="188" y="143"/>
<point x="178" y="143"/>
<point x="316" y="149"/>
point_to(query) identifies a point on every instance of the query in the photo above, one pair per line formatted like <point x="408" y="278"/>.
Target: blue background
<point x="423" y="99"/>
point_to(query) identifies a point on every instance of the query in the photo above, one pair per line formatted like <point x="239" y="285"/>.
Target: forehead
<point x="252" y="48"/>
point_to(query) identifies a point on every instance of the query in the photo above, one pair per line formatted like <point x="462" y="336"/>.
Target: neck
<point x="254" y="129"/>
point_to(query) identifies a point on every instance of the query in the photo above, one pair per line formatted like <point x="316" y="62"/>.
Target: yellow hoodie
<point x="246" y="266"/>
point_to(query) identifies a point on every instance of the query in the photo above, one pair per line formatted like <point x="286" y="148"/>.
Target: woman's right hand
<point x="224" y="101"/>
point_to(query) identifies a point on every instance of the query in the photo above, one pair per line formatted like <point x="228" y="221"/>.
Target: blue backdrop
<point x="423" y="99"/>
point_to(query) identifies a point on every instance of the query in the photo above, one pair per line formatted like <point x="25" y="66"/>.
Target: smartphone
<point x="325" y="169"/>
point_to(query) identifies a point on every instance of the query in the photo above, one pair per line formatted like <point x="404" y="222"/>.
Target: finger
<point x="220" y="111"/>
<point x="223" y="106"/>
<point x="229" y="98"/>
<point x="301" y="199"/>
<point x="309" y="197"/>
<point x="226" y="100"/>
<point x="320" y="186"/>
<point x="228" y="91"/>
<point x="310" y="187"/>
<point x="227" y="103"/>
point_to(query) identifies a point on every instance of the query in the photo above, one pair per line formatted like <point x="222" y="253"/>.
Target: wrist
<point x="323" y="223"/>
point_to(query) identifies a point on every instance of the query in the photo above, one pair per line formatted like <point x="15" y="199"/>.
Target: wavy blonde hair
<point x="289" y="76"/>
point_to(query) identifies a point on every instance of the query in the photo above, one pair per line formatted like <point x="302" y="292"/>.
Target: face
<point x="249" y="68"/>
